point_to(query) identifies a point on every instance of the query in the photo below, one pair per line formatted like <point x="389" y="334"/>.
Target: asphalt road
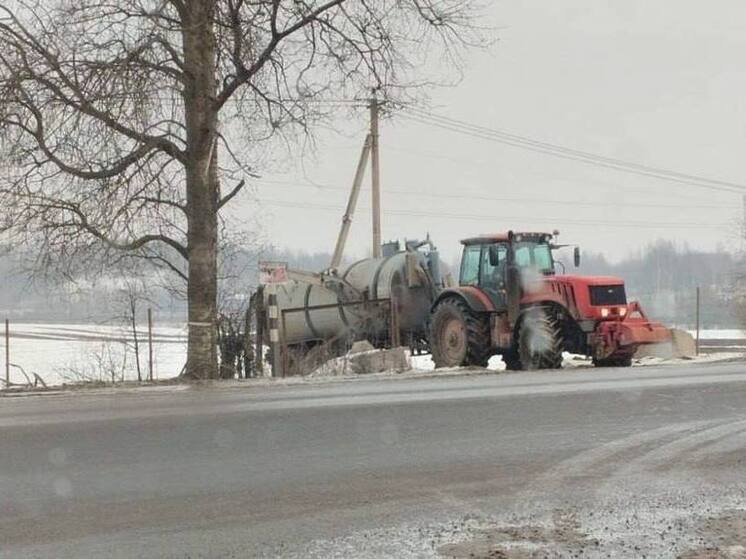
<point x="587" y="461"/>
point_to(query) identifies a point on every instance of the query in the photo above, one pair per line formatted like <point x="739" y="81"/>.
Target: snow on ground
<point x="718" y="334"/>
<point x="574" y="361"/>
<point x="571" y="361"/>
<point x="425" y="363"/>
<point x="65" y="353"/>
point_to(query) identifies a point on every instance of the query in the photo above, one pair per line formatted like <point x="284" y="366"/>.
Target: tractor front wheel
<point x="539" y="340"/>
<point x="459" y="336"/>
<point x="613" y="362"/>
<point x="512" y="360"/>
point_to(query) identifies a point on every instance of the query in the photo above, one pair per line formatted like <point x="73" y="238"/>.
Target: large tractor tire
<point x="539" y="340"/>
<point x="459" y="336"/>
<point x="613" y="362"/>
<point x="512" y="360"/>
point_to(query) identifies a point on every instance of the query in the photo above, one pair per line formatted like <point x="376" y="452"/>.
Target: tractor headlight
<point x="604" y="312"/>
<point x="623" y="311"/>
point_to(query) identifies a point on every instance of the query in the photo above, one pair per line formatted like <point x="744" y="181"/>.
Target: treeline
<point x="300" y="259"/>
<point x="68" y="300"/>
<point x="30" y="296"/>
<point x="664" y="276"/>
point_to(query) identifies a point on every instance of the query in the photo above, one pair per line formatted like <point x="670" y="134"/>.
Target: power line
<point x="573" y="152"/>
<point x="439" y="156"/>
<point x="493" y="218"/>
<point x="588" y="161"/>
<point x="462" y="196"/>
<point x="555" y="150"/>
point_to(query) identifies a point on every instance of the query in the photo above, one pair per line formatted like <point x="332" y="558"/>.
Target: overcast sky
<point x="660" y="83"/>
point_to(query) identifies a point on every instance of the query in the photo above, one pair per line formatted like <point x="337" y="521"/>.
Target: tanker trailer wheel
<point x="459" y="336"/>
<point x="539" y="340"/>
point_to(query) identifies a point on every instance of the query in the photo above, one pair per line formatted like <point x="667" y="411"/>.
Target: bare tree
<point x="132" y="293"/>
<point x="119" y="121"/>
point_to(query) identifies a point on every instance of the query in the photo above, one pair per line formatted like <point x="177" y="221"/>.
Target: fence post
<point x="7" y="353"/>
<point x="697" y="339"/>
<point x="150" y="344"/>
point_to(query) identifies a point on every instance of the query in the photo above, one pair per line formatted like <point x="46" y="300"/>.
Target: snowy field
<point x="64" y="353"/>
<point x="719" y="334"/>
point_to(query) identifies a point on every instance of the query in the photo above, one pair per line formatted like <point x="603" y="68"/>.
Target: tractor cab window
<point x="494" y="276"/>
<point x="470" y="265"/>
<point x="534" y="255"/>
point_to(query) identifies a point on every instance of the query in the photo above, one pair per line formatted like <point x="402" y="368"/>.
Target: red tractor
<point x="510" y="301"/>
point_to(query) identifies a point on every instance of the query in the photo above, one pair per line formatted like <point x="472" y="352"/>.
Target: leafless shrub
<point x="107" y="363"/>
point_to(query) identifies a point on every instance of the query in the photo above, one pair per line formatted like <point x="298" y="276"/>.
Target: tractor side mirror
<point x="494" y="256"/>
<point x="576" y="256"/>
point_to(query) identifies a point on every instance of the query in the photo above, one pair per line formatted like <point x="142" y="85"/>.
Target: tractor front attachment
<point x="617" y="340"/>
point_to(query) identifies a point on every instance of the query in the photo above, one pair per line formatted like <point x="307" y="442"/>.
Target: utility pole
<point x="351" y="205"/>
<point x="376" y="177"/>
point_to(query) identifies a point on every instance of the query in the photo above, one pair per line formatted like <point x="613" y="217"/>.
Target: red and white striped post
<point x="270" y="274"/>
<point x="273" y="315"/>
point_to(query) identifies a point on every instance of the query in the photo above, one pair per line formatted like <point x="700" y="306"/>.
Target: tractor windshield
<point x="534" y="255"/>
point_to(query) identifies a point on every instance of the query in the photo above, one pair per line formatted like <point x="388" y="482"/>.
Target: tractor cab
<point x="499" y="264"/>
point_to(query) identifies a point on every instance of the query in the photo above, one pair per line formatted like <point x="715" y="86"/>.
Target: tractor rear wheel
<point x="539" y="340"/>
<point x="459" y="336"/>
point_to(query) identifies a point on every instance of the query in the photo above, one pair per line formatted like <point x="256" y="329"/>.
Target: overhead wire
<point x="538" y="146"/>
<point x="477" y="217"/>
<point x="462" y="196"/>
<point x="695" y="195"/>
<point x="555" y="150"/>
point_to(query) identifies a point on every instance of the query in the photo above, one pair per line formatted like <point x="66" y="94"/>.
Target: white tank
<point x="312" y="313"/>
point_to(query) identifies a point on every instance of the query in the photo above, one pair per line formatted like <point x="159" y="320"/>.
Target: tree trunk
<point x="202" y="286"/>
<point x="201" y="187"/>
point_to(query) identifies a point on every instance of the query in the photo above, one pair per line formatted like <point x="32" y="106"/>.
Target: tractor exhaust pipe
<point x="512" y="284"/>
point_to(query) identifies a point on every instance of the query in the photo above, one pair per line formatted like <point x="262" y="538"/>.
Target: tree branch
<point x="135" y="244"/>
<point x="245" y="74"/>
<point x="228" y="197"/>
<point x="80" y="102"/>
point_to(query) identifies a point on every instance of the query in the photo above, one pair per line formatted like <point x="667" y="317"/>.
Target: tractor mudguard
<point x="475" y="298"/>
